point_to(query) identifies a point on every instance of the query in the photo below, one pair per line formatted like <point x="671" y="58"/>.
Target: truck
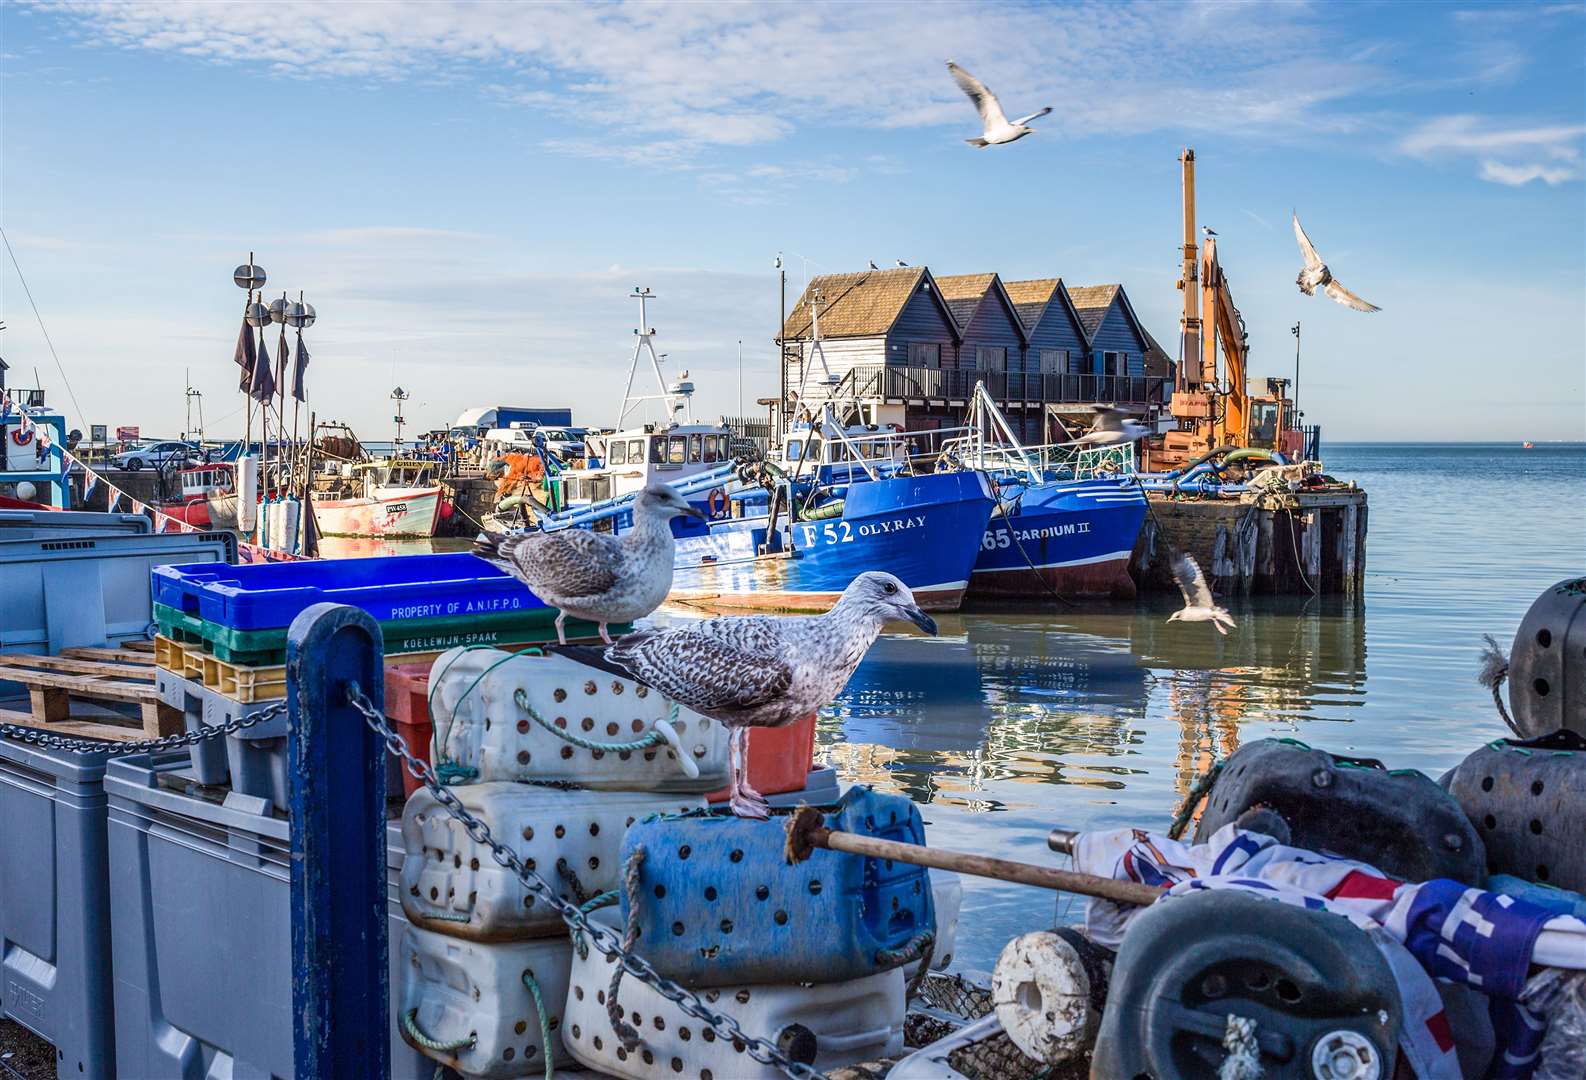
<point x="478" y="421"/>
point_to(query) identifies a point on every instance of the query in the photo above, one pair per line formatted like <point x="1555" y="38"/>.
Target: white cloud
<point x="1512" y="155"/>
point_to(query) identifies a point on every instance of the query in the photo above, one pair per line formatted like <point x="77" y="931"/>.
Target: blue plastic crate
<point x="720" y="906"/>
<point x="269" y="596"/>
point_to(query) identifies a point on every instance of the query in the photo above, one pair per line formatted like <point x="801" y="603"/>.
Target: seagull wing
<point x="1106" y="419"/>
<point x="704" y="670"/>
<point x="985" y="101"/>
<point x="1032" y="116"/>
<point x="561" y="565"/>
<point x="1307" y="249"/>
<point x="1347" y="298"/>
<point x="1191" y="582"/>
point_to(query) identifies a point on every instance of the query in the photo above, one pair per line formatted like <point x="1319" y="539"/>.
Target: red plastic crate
<point x="779" y="758"/>
<point x="407" y="702"/>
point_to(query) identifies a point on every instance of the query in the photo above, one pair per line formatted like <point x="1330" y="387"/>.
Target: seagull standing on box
<point x="597" y="576"/>
<point x="765" y="670"/>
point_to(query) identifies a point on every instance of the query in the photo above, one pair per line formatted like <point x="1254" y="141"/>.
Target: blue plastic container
<point x="720" y="906"/>
<point x="55" y="904"/>
<point x="267" y="596"/>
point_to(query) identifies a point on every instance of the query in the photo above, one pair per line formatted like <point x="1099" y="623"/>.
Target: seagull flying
<point x="1198" y="603"/>
<point x="1112" y="427"/>
<point x="1316" y="273"/>
<point x="996" y="128"/>
<point x="597" y="576"/>
<point x="764" y="670"/>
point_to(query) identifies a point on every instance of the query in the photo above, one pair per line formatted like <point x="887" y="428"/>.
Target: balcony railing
<point x="944" y="384"/>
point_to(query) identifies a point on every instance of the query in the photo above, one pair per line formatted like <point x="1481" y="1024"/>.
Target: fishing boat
<point x="390" y="498"/>
<point x="208" y="496"/>
<point x="1066" y="518"/>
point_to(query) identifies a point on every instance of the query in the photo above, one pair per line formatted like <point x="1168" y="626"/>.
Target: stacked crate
<point x="221" y="649"/>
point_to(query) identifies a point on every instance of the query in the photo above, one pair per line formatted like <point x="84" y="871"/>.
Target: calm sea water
<point x="1009" y="724"/>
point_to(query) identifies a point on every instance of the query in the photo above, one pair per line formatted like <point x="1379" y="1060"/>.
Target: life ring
<point x="22" y="436"/>
<point x="716" y="501"/>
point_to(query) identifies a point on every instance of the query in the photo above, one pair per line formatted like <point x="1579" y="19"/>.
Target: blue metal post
<point x="340" y="992"/>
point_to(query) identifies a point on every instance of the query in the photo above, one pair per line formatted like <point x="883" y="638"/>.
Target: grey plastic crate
<point x="54" y="904"/>
<point x="35" y="524"/>
<point x="201" y="931"/>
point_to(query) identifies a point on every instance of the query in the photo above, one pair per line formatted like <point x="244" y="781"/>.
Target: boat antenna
<point x="675" y="397"/>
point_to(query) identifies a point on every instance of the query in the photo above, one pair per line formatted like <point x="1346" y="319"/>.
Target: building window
<point x="926" y="354"/>
<point x="1114" y="363"/>
<point x="1054" y="361"/>
<point x="991" y="358"/>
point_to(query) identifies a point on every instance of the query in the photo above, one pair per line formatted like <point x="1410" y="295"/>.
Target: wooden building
<point x="911" y="347"/>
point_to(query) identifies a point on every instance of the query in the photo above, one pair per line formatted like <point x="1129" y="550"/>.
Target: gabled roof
<point x="865" y="304"/>
<point x="1157" y="361"/>
<point x="1033" y="299"/>
<point x="965" y="293"/>
<point x="1092" y="302"/>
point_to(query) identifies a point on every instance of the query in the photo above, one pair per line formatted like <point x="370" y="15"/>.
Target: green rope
<point x="1201" y="788"/>
<point x="545" y="1023"/>
<point x="445" y="916"/>
<point x="450" y="772"/>
<point x="447" y="771"/>
<point x="1295" y="742"/>
<point x="594" y="903"/>
<point x="410" y="1025"/>
<point x="644" y="742"/>
<point x="911" y="950"/>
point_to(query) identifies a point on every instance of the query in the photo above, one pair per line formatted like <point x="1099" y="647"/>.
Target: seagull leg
<point x="605" y="636"/>
<point x="561" y="628"/>
<point x="744" y="800"/>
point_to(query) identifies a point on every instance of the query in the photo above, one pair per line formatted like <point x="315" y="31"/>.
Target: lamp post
<point x="1295" y="330"/>
<point x="399" y="395"/>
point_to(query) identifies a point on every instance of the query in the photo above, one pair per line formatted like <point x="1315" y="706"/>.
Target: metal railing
<point x="943" y="384"/>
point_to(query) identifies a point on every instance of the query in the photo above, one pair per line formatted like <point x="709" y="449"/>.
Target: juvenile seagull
<point x="1112" y="427"/>
<point x="1316" y="273"/>
<point x="996" y="128"/>
<point x="1198" y="603"/>
<point x="763" y="670"/>
<point x="597" y="576"/>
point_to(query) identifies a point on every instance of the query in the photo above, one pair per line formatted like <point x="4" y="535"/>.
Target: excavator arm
<point x="1225" y="326"/>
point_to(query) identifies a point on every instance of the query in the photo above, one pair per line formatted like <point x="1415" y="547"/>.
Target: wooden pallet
<point x="54" y="683"/>
<point x="137" y="652"/>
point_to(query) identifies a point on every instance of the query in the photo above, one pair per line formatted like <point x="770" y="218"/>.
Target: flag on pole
<point x="245" y="356"/>
<point x="298" y="370"/>
<point x="281" y="353"/>
<point x="263" y="387"/>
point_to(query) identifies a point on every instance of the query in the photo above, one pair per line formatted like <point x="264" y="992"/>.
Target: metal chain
<point x="602" y="938"/>
<point x="51" y="741"/>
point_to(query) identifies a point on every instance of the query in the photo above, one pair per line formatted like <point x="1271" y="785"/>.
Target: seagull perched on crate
<point x="597" y="576"/>
<point x="1316" y="273"/>
<point x="996" y="128"/>
<point x="764" y="670"/>
<point x="1198" y="603"/>
<point x="1112" y="427"/>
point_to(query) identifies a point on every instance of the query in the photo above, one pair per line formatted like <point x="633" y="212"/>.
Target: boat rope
<point x="1493" y="674"/>
<point x="656" y="736"/>
<point x="1244" y="1053"/>
<point x="918" y="945"/>
<point x="594" y="903"/>
<point x="449" y="771"/>
<point x="569" y="875"/>
<point x="625" y="1032"/>
<point x="410" y="1025"/>
<point x="545" y="1022"/>
<point x="1198" y="791"/>
<point x="1295" y="544"/>
<point x="1013" y="534"/>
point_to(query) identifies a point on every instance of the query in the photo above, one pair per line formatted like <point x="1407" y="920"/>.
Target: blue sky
<point x="468" y="192"/>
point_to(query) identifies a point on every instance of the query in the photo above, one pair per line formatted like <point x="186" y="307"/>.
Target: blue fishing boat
<point x="1066" y="518"/>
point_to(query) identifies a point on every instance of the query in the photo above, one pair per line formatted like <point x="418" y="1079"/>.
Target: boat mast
<point x="676" y="396"/>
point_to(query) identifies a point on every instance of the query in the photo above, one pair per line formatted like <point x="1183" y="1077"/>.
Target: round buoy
<point x="22" y="436"/>
<point x="1043" y="997"/>
<point x="26" y="491"/>
<point x="717" y="503"/>
<point x="446" y="510"/>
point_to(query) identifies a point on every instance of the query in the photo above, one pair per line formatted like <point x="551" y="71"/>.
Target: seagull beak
<point x="695" y="512"/>
<point x="912" y="613"/>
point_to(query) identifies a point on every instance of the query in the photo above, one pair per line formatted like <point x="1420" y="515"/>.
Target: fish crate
<point x="826" y="1024"/>
<point x="55" y="904"/>
<point x="200" y="929"/>
<point x="595" y="721"/>
<point x="390" y="588"/>
<point x="572" y="838"/>
<point x="54" y="524"/>
<point x="779" y="759"/>
<point x="407" y="705"/>
<point x="242" y="683"/>
<point x="717" y="903"/>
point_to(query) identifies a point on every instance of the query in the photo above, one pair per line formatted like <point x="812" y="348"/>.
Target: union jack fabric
<point x="1485" y="940"/>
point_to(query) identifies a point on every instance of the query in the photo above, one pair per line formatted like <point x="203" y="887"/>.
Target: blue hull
<point x="925" y="529"/>
<point x="1071" y="536"/>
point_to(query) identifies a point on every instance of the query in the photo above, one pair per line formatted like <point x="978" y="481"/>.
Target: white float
<point x="452" y="884"/>
<point x="1043" y="997"/>
<point x="476" y="993"/>
<point x="947" y="893"/>
<point x="480" y="703"/>
<point x="843" y="1022"/>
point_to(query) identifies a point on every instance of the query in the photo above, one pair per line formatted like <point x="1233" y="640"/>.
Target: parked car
<point x="565" y="443"/>
<point x="157" y="454"/>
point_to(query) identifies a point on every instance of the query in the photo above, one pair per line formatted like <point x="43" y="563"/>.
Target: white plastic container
<point x="452" y="884"/>
<point x="466" y="988"/>
<point x="948" y="893"/>
<point x="477" y="704"/>
<point x="858" y="1020"/>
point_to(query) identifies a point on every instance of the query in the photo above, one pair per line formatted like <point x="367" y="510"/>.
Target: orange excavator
<point x="1215" y="409"/>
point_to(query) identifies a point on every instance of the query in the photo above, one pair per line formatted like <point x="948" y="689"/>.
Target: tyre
<point x="134" y="464"/>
